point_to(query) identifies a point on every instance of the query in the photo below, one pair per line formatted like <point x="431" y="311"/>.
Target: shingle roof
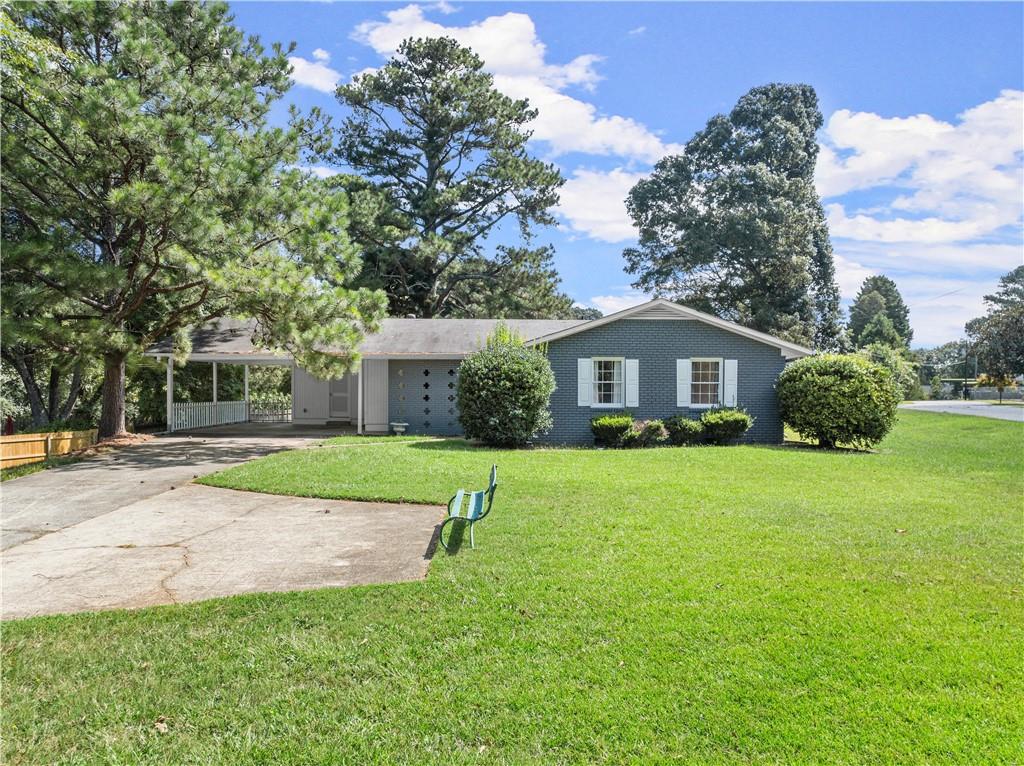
<point x="442" y="338"/>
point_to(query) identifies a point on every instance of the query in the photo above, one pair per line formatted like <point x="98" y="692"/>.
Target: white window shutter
<point x="632" y="373"/>
<point x="729" y="383"/>
<point x="684" y="373"/>
<point x="584" y="382"/>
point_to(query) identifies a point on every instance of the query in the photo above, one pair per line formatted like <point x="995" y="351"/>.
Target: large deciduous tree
<point x="154" y="196"/>
<point x="734" y="226"/>
<point x="442" y="162"/>
<point x="1010" y="292"/>
<point x="998" y="337"/>
<point x="866" y="306"/>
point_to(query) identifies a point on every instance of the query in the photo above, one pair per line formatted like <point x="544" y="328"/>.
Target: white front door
<point x="341" y="397"/>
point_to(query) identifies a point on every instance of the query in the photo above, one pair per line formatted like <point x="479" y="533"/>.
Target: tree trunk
<point x="112" y="408"/>
<point x="35" y="398"/>
<point x="52" y="392"/>
<point x="74" y="391"/>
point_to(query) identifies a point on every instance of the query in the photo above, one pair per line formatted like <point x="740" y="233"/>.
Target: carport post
<point x="170" y="393"/>
<point x="214" y="382"/>
<point x="245" y="389"/>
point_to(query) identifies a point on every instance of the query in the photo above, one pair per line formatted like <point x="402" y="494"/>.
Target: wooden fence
<point x="188" y="415"/>
<point x="20" y="449"/>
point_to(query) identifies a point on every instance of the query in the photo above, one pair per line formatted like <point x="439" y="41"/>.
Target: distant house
<point x="654" y="360"/>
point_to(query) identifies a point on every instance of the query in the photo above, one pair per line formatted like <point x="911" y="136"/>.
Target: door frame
<point x="347" y="379"/>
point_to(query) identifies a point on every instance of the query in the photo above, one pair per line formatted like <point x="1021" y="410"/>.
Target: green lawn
<point x="6" y="474"/>
<point x="694" y="605"/>
<point x="376" y="439"/>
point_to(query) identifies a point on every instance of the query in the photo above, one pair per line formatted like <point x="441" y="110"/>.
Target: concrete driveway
<point x="50" y="500"/>
<point x="127" y="529"/>
<point x="197" y="542"/>
<point x="978" y="409"/>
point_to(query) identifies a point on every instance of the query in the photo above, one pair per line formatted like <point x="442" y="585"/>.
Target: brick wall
<point x="657" y="344"/>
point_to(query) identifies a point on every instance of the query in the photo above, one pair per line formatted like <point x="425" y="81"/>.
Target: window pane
<point x="704" y="383"/>
<point x="607" y="381"/>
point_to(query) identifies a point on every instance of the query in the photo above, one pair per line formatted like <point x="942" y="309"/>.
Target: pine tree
<point x="895" y="308"/>
<point x="442" y="161"/>
<point x="155" y="196"/>
<point x="880" y="331"/>
<point x="864" y="309"/>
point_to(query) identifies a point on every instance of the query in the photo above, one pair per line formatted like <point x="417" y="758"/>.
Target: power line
<point x="944" y="295"/>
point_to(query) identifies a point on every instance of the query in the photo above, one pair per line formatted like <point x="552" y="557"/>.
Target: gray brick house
<point x="653" y="360"/>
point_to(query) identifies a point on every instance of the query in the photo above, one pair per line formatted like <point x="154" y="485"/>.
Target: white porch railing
<point x="188" y="415"/>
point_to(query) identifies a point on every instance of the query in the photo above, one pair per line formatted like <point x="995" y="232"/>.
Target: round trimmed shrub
<point x="611" y="430"/>
<point x="725" y="426"/>
<point x="838" y="399"/>
<point x="504" y="391"/>
<point x="683" y="430"/>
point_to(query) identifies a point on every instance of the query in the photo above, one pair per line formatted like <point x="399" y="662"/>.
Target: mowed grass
<point x="694" y="605"/>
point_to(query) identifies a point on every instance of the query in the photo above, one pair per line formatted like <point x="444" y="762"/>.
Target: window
<point x="705" y="382"/>
<point x="608" y="382"/>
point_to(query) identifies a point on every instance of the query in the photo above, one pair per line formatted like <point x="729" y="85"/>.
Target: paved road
<point x="45" y="502"/>
<point x="978" y="409"/>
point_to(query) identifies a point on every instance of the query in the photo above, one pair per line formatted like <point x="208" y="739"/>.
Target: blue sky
<point x="922" y="162"/>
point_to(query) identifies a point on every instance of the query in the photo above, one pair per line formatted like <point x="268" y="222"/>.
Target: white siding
<point x="310" y="398"/>
<point x="658" y="312"/>
<point x="375" y="395"/>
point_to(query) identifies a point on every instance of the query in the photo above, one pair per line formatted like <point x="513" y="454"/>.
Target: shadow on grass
<point x="446" y="445"/>
<point x="793" y="446"/>
<point x="456" y="537"/>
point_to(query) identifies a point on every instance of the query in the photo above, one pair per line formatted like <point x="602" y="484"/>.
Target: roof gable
<point x="659" y="308"/>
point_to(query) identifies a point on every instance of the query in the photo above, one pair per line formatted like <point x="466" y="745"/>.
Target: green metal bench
<point x="470" y="507"/>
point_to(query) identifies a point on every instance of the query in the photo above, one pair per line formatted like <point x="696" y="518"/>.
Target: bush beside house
<point x="837" y="399"/>
<point x="717" y="426"/>
<point x="725" y="426"/>
<point x="683" y="430"/>
<point x="611" y="430"/>
<point x="646" y="433"/>
<point x="504" y="391"/>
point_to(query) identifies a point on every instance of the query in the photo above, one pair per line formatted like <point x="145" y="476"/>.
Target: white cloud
<point x="932" y="229"/>
<point x="955" y="182"/>
<point x="594" y="203"/>
<point x="939" y="307"/>
<point x="849" y="275"/>
<point x="609" y="304"/>
<point x="320" y="171"/>
<point x="315" y="74"/>
<point x="945" y="206"/>
<point x="978" y="258"/>
<point x="443" y="6"/>
<point x="515" y="55"/>
<point x="942" y="283"/>
<point x="637" y="31"/>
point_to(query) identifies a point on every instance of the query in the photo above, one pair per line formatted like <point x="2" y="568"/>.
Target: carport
<point x="225" y="342"/>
